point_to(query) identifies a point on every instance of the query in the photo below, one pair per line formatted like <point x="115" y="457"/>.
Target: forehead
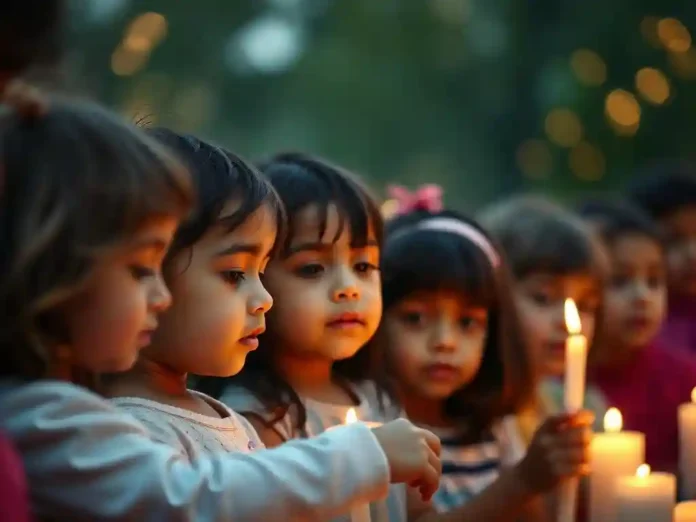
<point x="260" y="226"/>
<point x="571" y="281"/>
<point x="636" y="249"/>
<point x="307" y="223"/>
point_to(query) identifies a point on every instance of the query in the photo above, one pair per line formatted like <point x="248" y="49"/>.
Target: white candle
<point x="614" y="453"/>
<point x="687" y="447"/>
<point x="685" y="512"/>
<point x="575" y="362"/>
<point x="360" y="513"/>
<point x="645" y="496"/>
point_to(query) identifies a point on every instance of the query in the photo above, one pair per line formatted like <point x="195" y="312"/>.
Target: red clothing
<point x="679" y="329"/>
<point x="648" y="392"/>
<point x="14" y="500"/>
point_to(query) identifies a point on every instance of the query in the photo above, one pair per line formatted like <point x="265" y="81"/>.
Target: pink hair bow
<point x="427" y="197"/>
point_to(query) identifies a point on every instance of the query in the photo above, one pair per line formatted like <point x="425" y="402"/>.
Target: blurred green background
<point x="486" y="97"/>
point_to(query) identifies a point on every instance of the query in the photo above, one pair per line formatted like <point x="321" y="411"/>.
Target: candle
<point x="575" y="362"/>
<point x="361" y="512"/>
<point x="685" y="512"/>
<point x="645" y="496"/>
<point x="613" y="453"/>
<point x="687" y="447"/>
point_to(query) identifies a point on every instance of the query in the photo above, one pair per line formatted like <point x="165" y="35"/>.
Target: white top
<point x="88" y="461"/>
<point x="190" y="432"/>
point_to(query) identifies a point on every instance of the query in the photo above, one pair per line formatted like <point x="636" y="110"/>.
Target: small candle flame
<point x="643" y="471"/>
<point x="572" y="318"/>
<point x="351" y="416"/>
<point x="693" y="395"/>
<point x="613" y="421"/>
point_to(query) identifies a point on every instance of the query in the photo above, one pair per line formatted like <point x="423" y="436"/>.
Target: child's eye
<point x="412" y="318"/>
<point x="233" y="276"/>
<point x="468" y="323"/>
<point x="365" y="268"/>
<point x="541" y="298"/>
<point x="141" y="272"/>
<point x="311" y="270"/>
<point x="619" y="281"/>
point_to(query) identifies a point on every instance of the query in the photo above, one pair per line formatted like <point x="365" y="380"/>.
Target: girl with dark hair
<point x="452" y="344"/>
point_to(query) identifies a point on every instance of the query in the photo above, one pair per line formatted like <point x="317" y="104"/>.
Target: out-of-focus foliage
<point x="483" y="96"/>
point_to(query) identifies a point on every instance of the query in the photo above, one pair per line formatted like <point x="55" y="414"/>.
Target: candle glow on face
<point x="572" y="317"/>
<point x="613" y="421"/>
<point x="351" y="416"/>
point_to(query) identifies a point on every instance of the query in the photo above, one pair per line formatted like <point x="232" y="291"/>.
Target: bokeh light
<point x="652" y="85"/>
<point x="587" y="162"/>
<point x="673" y="35"/>
<point x="563" y="127"/>
<point x="588" y="67"/>
<point x="623" y="112"/>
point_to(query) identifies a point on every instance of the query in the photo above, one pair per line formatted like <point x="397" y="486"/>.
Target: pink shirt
<point x="679" y="329"/>
<point x="13" y="488"/>
<point x="648" y="392"/>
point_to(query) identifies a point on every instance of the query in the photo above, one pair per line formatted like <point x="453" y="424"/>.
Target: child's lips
<point x="346" y="321"/>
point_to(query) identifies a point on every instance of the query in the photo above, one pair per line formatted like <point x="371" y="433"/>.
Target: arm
<point x="87" y="461"/>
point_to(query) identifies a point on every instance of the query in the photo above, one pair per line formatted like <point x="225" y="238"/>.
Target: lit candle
<point x="575" y="362"/>
<point x="685" y="512"/>
<point x="687" y="447"/>
<point x="360" y="513"/>
<point x="614" y="453"/>
<point x="645" y="496"/>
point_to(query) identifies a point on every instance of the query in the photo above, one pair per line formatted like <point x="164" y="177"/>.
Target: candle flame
<point x="351" y="416"/>
<point x="572" y="318"/>
<point x="693" y="395"/>
<point x="613" y="421"/>
<point x="643" y="471"/>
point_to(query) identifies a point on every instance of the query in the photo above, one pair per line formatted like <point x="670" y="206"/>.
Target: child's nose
<point x="161" y="297"/>
<point x="261" y="301"/>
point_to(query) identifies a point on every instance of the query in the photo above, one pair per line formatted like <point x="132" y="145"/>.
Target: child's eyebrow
<point x="240" y="248"/>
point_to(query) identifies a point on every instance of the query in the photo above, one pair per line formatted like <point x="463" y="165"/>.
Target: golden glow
<point x="588" y="67"/>
<point x="534" y="158"/>
<point x="693" y="395"/>
<point x="563" y="127"/>
<point x="351" y="416"/>
<point x="673" y="35"/>
<point x="623" y="111"/>
<point x="613" y="421"/>
<point x="643" y="471"/>
<point x="652" y="85"/>
<point x="389" y="208"/>
<point x="572" y="318"/>
<point x="587" y="161"/>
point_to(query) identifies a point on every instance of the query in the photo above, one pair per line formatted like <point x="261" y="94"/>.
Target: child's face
<point x="219" y="299"/>
<point x="116" y="313"/>
<point x="328" y="300"/>
<point x="636" y="299"/>
<point x="435" y="342"/>
<point x="540" y="300"/>
<point x="681" y="254"/>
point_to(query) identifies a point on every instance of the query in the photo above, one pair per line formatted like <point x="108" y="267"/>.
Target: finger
<point x="435" y="462"/>
<point x="571" y="438"/>
<point x="569" y="458"/>
<point x="429" y="483"/>
<point x="433" y="442"/>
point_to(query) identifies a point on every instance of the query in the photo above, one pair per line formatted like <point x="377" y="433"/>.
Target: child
<point x="553" y="256"/>
<point x="311" y="369"/>
<point x="87" y="209"/>
<point x="451" y="338"/>
<point x="214" y="270"/>
<point x="668" y="194"/>
<point x="645" y="383"/>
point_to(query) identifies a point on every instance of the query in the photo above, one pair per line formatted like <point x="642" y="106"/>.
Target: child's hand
<point x="560" y="449"/>
<point x="413" y="455"/>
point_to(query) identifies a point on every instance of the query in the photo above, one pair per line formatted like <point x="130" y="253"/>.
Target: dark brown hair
<point x="76" y="182"/>
<point x="417" y="258"/>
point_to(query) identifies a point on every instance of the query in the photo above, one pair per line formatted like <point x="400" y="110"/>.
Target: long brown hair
<point x="76" y="182"/>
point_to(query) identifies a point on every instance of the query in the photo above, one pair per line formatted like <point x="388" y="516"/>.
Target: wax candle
<point x="687" y="447"/>
<point x="575" y="362"/>
<point x="361" y="512"/>
<point x="645" y="496"/>
<point x="613" y="453"/>
<point x="685" y="512"/>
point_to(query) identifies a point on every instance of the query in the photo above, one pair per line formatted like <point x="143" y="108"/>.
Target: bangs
<point x="301" y="183"/>
<point x="427" y="261"/>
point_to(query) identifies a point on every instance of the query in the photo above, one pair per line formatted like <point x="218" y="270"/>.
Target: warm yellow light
<point x="693" y="395"/>
<point x="673" y="35"/>
<point x="572" y="318"/>
<point x="643" y="471"/>
<point x="389" y="208"/>
<point x="147" y="29"/>
<point x="623" y="111"/>
<point x="351" y="416"/>
<point x="588" y="66"/>
<point x="563" y="127"/>
<point x="613" y="421"/>
<point x="587" y="161"/>
<point x="126" y="61"/>
<point x="652" y="85"/>
<point x="534" y="158"/>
